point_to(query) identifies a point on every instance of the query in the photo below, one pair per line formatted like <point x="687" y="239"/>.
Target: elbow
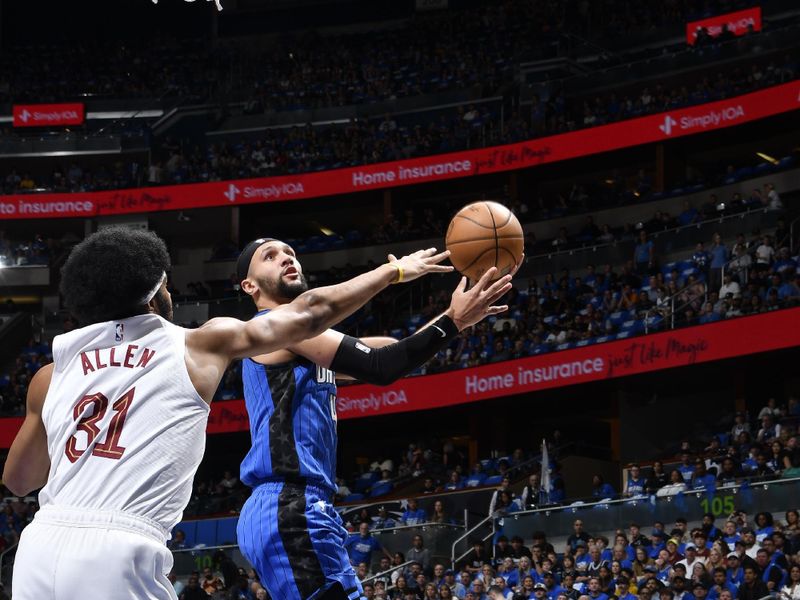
<point x="379" y="379"/>
<point x="385" y="379"/>
<point x="385" y="375"/>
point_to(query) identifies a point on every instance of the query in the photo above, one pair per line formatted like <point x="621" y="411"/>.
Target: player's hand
<point x="470" y="306"/>
<point x="518" y="265"/>
<point x="512" y="272"/>
<point x="420" y="263"/>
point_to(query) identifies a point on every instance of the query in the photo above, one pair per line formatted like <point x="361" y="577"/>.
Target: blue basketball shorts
<point x="294" y="539"/>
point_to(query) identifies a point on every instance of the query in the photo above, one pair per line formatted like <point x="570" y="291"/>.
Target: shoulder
<point x="213" y="330"/>
<point x="43" y="375"/>
<point x="37" y="390"/>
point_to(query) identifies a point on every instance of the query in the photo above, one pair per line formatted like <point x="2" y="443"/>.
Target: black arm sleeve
<point x="382" y="366"/>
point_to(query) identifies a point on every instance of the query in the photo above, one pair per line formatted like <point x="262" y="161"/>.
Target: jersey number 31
<point x="109" y="448"/>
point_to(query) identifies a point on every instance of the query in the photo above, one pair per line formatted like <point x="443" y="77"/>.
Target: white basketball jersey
<point x="125" y="426"/>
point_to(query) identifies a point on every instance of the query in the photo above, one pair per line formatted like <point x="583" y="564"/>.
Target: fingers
<point x="494" y="310"/>
<point x="498" y="294"/>
<point x="462" y="285"/>
<point x="425" y="253"/>
<point x="485" y="278"/>
<point x="436" y="258"/>
<point x="500" y="283"/>
<point x="392" y="258"/>
<point x="440" y="269"/>
<point x="518" y="265"/>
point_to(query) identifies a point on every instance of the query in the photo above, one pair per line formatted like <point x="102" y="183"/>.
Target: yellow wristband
<point x="399" y="272"/>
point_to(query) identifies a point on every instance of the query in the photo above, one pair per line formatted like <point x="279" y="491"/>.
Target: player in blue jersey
<point x="288" y="528"/>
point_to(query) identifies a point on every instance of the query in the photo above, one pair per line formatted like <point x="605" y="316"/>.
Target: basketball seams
<point x="508" y="218"/>
<point x="494" y="231"/>
<point x="473" y="221"/>
<point x="499" y="237"/>
<point x="510" y="254"/>
<point x="478" y="258"/>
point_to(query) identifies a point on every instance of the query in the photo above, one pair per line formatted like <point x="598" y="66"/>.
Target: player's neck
<point x="267" y="303"/>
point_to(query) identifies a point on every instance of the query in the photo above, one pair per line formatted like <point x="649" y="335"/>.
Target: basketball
<point x="483" y="235"/>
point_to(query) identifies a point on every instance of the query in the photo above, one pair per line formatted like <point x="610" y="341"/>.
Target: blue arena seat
<point x="381" y="489"/>
<point x="475" y="479"/>
<point x="617" y="318"/>
<point x="366" y="480"/>
<point x="493" y="480"/>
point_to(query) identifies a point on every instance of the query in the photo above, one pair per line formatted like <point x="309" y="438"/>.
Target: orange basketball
<point x="484" y="235"/>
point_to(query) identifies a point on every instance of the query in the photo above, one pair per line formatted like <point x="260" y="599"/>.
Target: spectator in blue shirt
<point x="658" y="541"/>
<point x="720" y="582"/>
<point x="594" y="592"/>
<point x="789" y="290"/>
<point x="679" y="585"/>
<point x="701" y="258"/>
<point x="644" y="254"/>
<point x="729" y="474"/>
<point x="620" y="555"/>
<point x="590" y="278"/>
<point x="384" y="520"/>
<point x="702" y="479"/>
<point x="711" y="531"/>
<point x="582" y="558"/>
<point x="764" y="526"/>
<point x="686" y="468"/>
<point x="635" y="484"/>
<point x="735" y="573"/>
<point x="622" y="590"/>
<point x="719" y="257"/>
<point x="783" y="261"/>
<point x="361" y="545"/>
<point x="601" y="489"/>
<point x="707" y="314"/>
<point x="454" y="482"/>
<point x="729" y="534"/>
<point x="413" y="515"/>
<point x="771" y="572"/>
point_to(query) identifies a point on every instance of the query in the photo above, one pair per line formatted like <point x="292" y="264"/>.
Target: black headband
<point x="243" y="263"/>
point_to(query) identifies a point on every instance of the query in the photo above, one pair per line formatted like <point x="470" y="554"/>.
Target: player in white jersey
<point x="115" y="427"/>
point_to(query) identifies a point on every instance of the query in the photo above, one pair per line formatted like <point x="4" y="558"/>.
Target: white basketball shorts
<point x="68" y="553"/>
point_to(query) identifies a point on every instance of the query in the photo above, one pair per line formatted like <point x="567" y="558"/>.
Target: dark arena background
<point x="638" y="405"/>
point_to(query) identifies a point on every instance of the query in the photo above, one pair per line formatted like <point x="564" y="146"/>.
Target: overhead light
<point x="326" y="231"/>
<point x="767" y="158"/>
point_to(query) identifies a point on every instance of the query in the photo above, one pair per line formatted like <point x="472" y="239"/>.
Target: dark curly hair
<point x="108" y="273"/>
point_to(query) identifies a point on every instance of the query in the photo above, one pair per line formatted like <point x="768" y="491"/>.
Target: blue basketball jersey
<point x="292" y="410"/>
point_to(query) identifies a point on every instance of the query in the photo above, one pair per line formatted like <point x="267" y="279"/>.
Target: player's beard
<point x="280" y="289"/>
<point x="163" y="302"/>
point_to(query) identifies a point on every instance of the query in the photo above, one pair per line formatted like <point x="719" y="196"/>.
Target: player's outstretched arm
<point x="28" y="462"/>
<point x="215" y="344"/>
<point x="383" y="362"/>
<point x="316" y="310"/>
